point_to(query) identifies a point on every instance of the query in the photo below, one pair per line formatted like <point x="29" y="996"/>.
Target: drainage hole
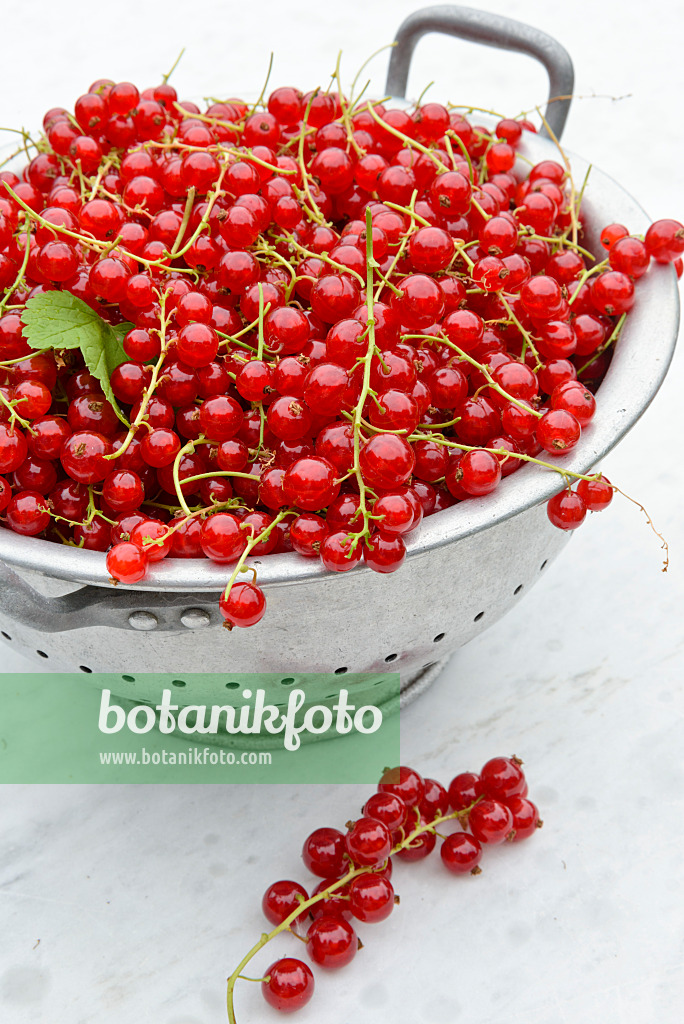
<point x="128" y="679"/>
<point x="440" y="636"/>
<point x="543" y="565"/>
<point x="478" y="616"/>
<point x="178" y="682"/>
<point x="41" y="654"/>
<point x="84" y="668"/>
<point x="232" y="686"/>
<point x="391" y="657"/>
<point x="518" y="588"/>
<point x="287" y="681"/>
<point x="341" y="671"/>
<point x="6" y="635"/>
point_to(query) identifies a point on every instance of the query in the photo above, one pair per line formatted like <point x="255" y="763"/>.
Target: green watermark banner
<point x="198" y="728"/>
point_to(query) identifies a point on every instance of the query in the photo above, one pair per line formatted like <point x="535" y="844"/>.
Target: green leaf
<point x="59" y="320"/>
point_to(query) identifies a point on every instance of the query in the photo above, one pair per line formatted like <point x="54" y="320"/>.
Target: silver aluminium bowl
<point x="466" y="566"/>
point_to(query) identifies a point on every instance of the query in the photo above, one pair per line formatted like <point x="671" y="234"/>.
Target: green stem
<point x="314" y="213"/>
<point x="365" y="386"/>
<point x="606" y="344"/>
<point x="567" y="474"/>
<point x="189" y="203"/>
<point x="14" y="415"/>
<point x="22" y="270"/>
<point x="173" y="67"/>
<point x="149" y="390"/>
<point x="410" y="143"/>
<point x="264" y="86"/>
<point x="585" y="275"/>
<point x="291" y="240"/>
<point x="345" y="117"/>
<point x="252" y="543"/>
<point x="528" y="343"/>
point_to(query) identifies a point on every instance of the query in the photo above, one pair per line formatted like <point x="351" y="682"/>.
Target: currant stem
<point x="149" y="390"/>
<point x="252" y="543"/>
<point x="528" y="343"/>
<point x="411" y="143"/>
<point x="365" y="386"/>
<point x="314" y="213"/>
<point x="22" y="270"/>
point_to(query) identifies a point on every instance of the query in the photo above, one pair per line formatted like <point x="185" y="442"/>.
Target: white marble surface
<point x="122" y="905"/>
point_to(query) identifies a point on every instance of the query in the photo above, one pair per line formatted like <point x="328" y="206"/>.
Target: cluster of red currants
<point x="401" y="820"/>
<point x="337" y="318"/>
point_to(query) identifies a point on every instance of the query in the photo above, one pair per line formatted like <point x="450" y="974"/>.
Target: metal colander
<point x="465" y="567"/>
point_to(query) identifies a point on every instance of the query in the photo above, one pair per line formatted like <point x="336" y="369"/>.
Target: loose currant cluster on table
<point x="402" y="819"/>
<point x="320" y="319"/>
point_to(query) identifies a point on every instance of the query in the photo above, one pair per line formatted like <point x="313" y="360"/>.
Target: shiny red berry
<point x="461" y="853"/>
<point x="290" y="985"/>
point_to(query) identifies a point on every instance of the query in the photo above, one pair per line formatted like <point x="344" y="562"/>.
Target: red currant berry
<point x="664" y="240"/>
<point x="630" y="256"/>
<point x="160" y="447"/>
<point x="478" y="472"/>
<point x="310" y="483"/>
<point x="244" y="605"/>
<point x="332" y="942"/>
<point x="197" y="344"/>
<point x="525" y="817"/>
<point x="435" y="800"/>
<point x="501" y="778"/>
<point x="126" y="563"/>
<point x="386" y="461"/>
<point x="290" y="985"/>
<point x="388" y="808"/>
<point x="220" y="418"/>
<point x="335" y="904"/>
<point x="542" y="298"/>
<point x="574" y="398"/>
<point x="289" y="418"/>
<point x="83" y="456"/>
<point x="153" y="538"/>
<point x="430" y="250"/>
<point x="558" y="431"/>
<point x="123" y="490"/>
<point x="566" y="510"/>
<point x="405" y="783"/>
<point x="490" y="821"/>
<point x="612" y="293"/>
<point x="371" y="897"/>
<point x="323" y="852"/>
<point x="368" y="842"/>
<point x="27" y="513"/>
<point x="281" y="899"/>
<point x="461" y="853"/>
<point x="384" y="552"/>
<point x="307" y="533"/>
<point x="420" y="847"/>
<point x="337" y="553"/>
<point x="13" y="448"/>
<point x="596" y="494"/>
<point x="611" y="233"/>
<point x="222" y="539"/>
<point x="464" y="790"/>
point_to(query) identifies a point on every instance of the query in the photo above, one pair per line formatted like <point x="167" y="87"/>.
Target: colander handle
<point x="100" y="606"/>
<point x="490" y="30"/>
